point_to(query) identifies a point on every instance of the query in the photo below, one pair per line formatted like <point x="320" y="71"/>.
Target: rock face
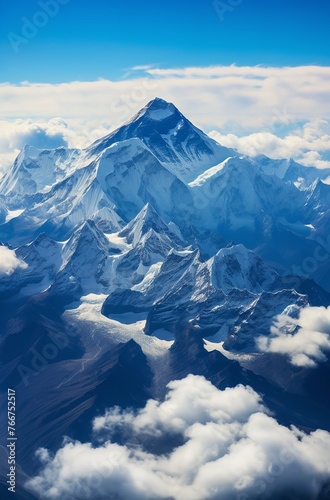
<point x="174" y="140"/>
<point x="161" y="218"/>
<point x="167" y="254"/>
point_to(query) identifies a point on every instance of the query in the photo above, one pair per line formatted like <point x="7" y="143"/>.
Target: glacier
<point x="152" y="254"/>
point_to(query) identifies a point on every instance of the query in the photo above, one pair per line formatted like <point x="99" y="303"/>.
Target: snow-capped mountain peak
<point x="37" y="170"/>
<point x="175" y="141"/>
<point x="156" y="110"/>
<point x="147" y="219"/>
<point x="238" y="267"/>
<point x="133" y="178"/>
<point x="87" y="239"/>
<point x="158" y="234"/>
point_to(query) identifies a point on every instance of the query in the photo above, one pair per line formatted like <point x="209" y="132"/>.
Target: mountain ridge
<point x="153" y="254"/>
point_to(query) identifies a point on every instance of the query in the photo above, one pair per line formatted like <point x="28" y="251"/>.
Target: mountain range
<point x="166" y="254"/>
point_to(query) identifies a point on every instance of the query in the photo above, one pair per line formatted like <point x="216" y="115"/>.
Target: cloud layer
<point x="9" y="262"/>
<point x="309" y="145"/>
<point x="237" y="101"/>
<point x="251" y="97"/>
<point x="304" y="340"/>
<point x="230" y="448"/>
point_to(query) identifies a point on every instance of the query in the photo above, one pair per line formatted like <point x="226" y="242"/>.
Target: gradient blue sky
<point x="103" y="39"/>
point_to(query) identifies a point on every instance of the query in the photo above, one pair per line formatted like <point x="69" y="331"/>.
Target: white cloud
<point x="143" y="67"/>
<point x="239" y="101"/>
<point x="49" y="134"/>
<point x="250" y="97"/>
<point x="177" y="411"/>
<point x="231" y="449"/>
<point x="306" y="145"/>
<point x="9" y="262"/>
<point x="304" y="340"/>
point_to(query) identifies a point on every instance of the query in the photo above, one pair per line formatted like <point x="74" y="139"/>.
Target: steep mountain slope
<point x="152" y="254"/>
<point x="132" y="176"/>
<point x="36" y="170"/>
<point x="114" y="186"/>
<point x="174" y="140"/>
<point x="233" y="295"/>
<point x="291" y="171"/>
<point x="242" y="198"/>
<point x="42" y="258"/>
<point x="229" y="198"/>
<point x="148" y="219"/>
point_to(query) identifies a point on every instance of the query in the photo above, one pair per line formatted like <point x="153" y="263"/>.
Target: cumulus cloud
<point x="53" y="133"/>
<point x="9" y="262"/>
<point x="230" y="448"/>
<point x="177" y="411"/>
<point x="310" y="145"/>
<point x="304" y="340"/>
<point x="14" y="135"/>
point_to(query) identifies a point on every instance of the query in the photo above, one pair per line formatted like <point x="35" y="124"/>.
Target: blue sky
<point x="103" y="39"/>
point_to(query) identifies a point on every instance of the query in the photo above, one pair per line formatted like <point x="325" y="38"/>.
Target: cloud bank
<point x="308" y="146"/>
<point x="230" y="448"/>
<point x="237" y="102"/>
<point x="9" y="262"/>
<point x="304" y="340"/>
<point x="251" y="97"/>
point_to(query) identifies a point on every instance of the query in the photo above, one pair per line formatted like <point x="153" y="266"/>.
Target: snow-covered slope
<point x="131" y="175"/>
<point x="36" y="170"/>
<point x="174" y="140"/>
<point x="217" y="295"/>
<point x="274" y="218"/>
<point x="153" y="254"/>
<point x="240" y="196"/>
<point x="237" y="267"/>
<point x="291" y="171"/>
<point x="86" y="262"/>
<point x="110" y="189"/>
<point x="42" y="258"/>
<point x="130" y="184"/>
<point x="148" y="219"/>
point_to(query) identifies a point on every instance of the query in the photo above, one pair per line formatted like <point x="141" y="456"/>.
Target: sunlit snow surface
<point x="169" y="254"/>
<point x="118" y="329"/>
<point x="12" y="214"/>
<point x="121" y="328"/>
